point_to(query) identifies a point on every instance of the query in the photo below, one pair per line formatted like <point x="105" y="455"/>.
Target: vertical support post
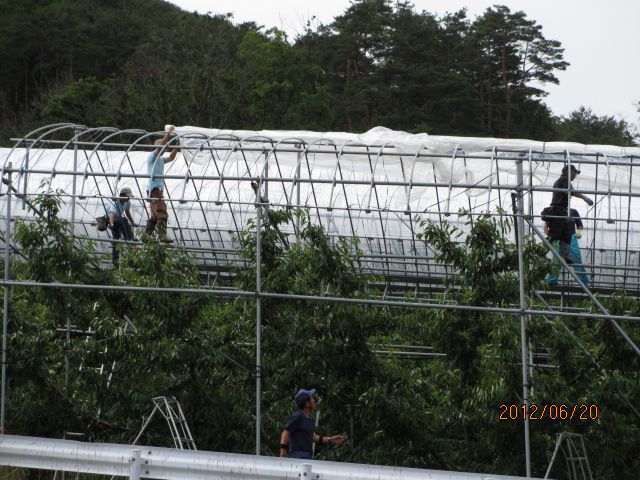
<point x="26" y="175"/>
<point x="67" y="346"/>
<point x="258" y="314"/>
<point x="298" y="169"/>
<point x="134" y="465"/>
<point x="523" y="308"/>
<point x="74" y="186"/>
<point x="5" y="317"/>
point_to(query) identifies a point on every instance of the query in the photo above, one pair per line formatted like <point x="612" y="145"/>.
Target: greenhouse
<point x="374" y="192"/>
<point x="374" y="186"/>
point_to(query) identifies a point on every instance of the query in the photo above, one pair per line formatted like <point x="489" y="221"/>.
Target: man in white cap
<point x="155" y="190"/>
<point x="296" y="440"/>
<point x="120" y="220"/>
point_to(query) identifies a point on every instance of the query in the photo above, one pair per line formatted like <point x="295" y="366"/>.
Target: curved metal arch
<point x="221" y="187"/>
<point x="409" y="188"/>
<point x="57" y="127"/>
<point x="125" y="156"/>
<point x="25" y="139"/>
<point x="69" y="142"/>
<point x="301" y="154"/>
<point x="98" y="145"/>
<point x="606" y="162"/>
<point x="226" y="160"/>
<point x="304" y="152"/>
<point x="338" y="169"/>
<point x="297" y="175"/>
<point x="188" y="163"/>
<point x="274" y="148"/>
<point x="408" y="211"/>
<point x="453" y="159"/>
<point x="199" y="202"/>
<point x="212" y="138"/>
<point x="372" y="189"/>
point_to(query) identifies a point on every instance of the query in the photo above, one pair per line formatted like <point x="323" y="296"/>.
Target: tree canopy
<point x="129" y="346"/>
<point x="145" y="63"/>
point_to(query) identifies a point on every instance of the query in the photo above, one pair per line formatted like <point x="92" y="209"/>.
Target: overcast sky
<point x="601" y="41"/>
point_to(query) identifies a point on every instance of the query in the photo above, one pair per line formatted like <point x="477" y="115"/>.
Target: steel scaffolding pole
<point x="589" y="293"/>
<point x="258" y="316"/>
<point x="5" y="317"/>
<point x="374" y="302"/>
<point x="523" y="315"/>
<point x="74" y="185"/>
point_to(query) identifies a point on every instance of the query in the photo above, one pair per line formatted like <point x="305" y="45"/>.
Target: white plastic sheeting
<point x="374" y="186"/>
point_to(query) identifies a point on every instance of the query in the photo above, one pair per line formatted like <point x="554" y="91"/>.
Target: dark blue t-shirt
<point x="577" y="221"/>
<point x="301" y="430"/>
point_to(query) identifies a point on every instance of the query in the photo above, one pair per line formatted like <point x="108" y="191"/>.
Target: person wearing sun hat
<point x="296" y="440"/>
<point x="120" y="220"/>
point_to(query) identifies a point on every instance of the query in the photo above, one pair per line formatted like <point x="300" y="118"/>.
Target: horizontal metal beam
<point x="173" y="464"/>
<point x="242" y="145"/>
<point x="317" y="298"/>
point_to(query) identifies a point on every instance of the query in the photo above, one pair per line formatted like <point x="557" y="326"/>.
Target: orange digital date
<point x="548" y="411"/>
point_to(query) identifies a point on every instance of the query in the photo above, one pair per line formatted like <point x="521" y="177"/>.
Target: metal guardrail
<point x="170" y="464"/>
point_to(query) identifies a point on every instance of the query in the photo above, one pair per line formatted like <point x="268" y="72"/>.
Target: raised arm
<point x="167" y="135"/>
<point x="174" y="151"/>
<point x="164" y="141"/>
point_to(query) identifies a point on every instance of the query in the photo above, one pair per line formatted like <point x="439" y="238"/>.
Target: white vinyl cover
<point x="374" y="186"/>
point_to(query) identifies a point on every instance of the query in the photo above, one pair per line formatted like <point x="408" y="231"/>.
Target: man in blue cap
<point x="296" y="440"/>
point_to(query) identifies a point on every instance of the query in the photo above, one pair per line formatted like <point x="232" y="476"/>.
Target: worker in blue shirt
<point x="296" y="440"/>
<point x="120" y="220"/>
<point x="155" y="189"/>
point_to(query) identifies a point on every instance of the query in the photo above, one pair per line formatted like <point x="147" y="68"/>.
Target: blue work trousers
<point x="574" y="256"/>
<point x="121" y="228"/>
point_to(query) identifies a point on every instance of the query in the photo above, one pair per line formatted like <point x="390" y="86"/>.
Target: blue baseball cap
<point x="303" y="395"/>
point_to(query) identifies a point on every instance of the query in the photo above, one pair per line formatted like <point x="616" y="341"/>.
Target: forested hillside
<point x="143" y="63"/>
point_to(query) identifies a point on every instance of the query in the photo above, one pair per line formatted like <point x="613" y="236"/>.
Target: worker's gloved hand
<point x="578" y="234"/>
<point x="589" y="201"/>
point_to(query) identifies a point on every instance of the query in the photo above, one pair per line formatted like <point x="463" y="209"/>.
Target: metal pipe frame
<point x="519" y="213"/>
<point x="396" y="257"/>
<point x="231" y="293"/>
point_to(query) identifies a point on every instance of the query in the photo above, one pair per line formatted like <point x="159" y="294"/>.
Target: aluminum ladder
<point x="575" y="455"/>
<point x="172" y="412"/>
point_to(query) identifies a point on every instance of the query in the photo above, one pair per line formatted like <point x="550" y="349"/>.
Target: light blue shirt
<point x="155" y="170"/>
<point x="119" y="208"/>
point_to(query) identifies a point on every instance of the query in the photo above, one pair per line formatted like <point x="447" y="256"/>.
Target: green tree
<point x="513" y="57"/>
<point x="584" y="126"/>
<point x="482" y="348"/>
